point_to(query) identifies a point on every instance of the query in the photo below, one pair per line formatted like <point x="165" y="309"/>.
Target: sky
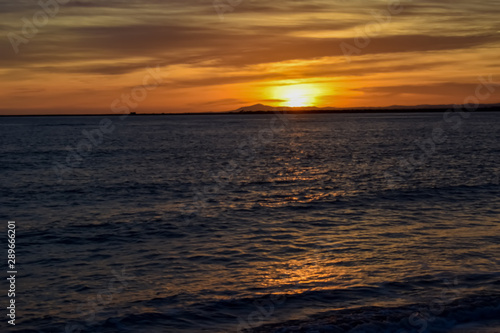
<point x="217" y="55"/>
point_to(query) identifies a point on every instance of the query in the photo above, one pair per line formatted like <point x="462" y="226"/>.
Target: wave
<point x="389" y="307"/>
<point x="433" y="317"/>
<point x="422" y="318"/>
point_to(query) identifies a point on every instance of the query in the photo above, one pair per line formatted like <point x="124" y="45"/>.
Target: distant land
<point x="261" y="108"/>
<point x="267" y="109"/>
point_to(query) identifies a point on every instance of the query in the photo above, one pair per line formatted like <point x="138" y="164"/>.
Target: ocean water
<point x="256" y="223"/>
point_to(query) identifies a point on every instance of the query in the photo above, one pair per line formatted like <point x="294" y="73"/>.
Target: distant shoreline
<point x="347" y="111"/>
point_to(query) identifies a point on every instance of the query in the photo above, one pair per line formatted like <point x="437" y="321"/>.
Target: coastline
<point x="264" y="112"/>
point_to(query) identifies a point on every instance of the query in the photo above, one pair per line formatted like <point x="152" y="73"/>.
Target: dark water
<point x="307" y="223"/>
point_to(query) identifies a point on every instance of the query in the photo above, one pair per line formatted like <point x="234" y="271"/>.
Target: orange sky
<point x="192" y="56"/>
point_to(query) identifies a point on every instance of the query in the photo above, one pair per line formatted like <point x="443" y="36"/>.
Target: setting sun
<point x="297" y="95"/>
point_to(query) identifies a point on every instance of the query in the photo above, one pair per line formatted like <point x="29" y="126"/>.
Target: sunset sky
<point x="280" y="53"/>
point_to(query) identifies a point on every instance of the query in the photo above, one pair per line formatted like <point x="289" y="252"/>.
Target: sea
<point x="369" y="222"/>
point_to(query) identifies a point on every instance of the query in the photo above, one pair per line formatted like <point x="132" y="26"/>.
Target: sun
<point x="297" y="98"/>
<point x="297" y="95"/>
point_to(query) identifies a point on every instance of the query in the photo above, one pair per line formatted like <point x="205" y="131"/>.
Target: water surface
<point x="354" y="223"/>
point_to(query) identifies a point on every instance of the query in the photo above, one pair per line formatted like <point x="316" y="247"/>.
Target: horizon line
<point x="494" y="107"/>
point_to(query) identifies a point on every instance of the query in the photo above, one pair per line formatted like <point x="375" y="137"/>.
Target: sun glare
<point x="297" y="95"/>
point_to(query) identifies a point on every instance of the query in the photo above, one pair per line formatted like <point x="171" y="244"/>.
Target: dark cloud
<point x="439" y="89"/>
<point x="225" y="101"/>
<point x="192" y="44"/>
<point x="193" y="38"/>
<point x="104" y="69"/>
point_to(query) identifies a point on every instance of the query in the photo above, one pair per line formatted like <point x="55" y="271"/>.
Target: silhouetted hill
<point x="261" y="108"/>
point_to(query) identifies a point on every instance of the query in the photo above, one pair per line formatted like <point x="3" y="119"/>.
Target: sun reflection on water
<point x="300" y="275"/>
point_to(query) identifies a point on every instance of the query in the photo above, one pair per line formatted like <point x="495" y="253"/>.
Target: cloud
<point x="439" y="89"/>
<point x="224" y="101"/>
<point x="190" y="32"/>
<point x="189" y="44"/>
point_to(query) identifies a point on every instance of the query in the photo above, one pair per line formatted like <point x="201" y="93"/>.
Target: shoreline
<point x="263" y="112"/>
